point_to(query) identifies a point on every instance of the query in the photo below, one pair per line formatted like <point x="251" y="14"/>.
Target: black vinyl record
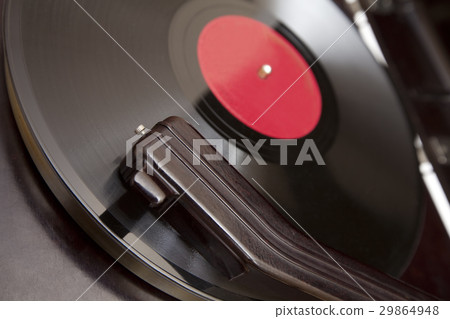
<point x="83" y="75"/>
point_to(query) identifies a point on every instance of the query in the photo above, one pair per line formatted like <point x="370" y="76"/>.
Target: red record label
<point x="248" y="66"/>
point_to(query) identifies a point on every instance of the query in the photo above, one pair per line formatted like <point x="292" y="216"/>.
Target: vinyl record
<point x="83" y="75"/>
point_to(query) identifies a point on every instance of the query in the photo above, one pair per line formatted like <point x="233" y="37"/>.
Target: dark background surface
<point x="45" y="255"/>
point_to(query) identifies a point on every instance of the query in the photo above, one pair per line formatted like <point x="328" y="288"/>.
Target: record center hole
<point x="265" y="71"/>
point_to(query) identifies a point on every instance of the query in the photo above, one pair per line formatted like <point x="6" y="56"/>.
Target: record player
<point x="232" y="150"/>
